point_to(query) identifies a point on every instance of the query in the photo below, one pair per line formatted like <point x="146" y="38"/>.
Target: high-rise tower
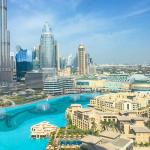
<point x="82" y="60"/>
<point x="48" y="49"/>
<point x="5" y="67"/>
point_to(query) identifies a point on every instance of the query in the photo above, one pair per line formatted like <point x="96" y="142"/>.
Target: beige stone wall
<point x="142" y="138"/>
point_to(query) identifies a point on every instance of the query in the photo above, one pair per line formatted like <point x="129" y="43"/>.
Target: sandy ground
<point x="141" y="148"/>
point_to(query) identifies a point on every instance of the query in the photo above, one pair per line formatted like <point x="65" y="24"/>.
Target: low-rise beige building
<point x="42" y="130"/>
<point x="106" y="141"/>
<point x="142" y="134"/>
<point x="130" y="126"/>
<point x="134" y="128"/>
<point x="88" y="118"/>
<point x="127" y="102"/>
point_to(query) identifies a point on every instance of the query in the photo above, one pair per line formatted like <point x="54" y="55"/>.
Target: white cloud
<point x="138" y="12"/>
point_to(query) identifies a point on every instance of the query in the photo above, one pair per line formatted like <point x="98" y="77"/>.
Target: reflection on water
<point x="42" y="108"/>
<point x="75" y="98"/>
<point x="11" y="118"/>
<point x="2" y="114"/>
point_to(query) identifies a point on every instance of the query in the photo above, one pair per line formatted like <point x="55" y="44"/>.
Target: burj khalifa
<point x="5" y="67"/>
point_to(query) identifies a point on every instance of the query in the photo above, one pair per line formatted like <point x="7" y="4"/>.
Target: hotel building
<point x="85" y="118"/>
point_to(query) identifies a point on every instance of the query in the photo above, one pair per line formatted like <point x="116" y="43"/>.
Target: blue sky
<point x="114" y="31"/>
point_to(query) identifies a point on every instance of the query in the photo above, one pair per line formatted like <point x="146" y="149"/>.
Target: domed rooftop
<point x="138" y="78"/>
<point x="81" y="45"/>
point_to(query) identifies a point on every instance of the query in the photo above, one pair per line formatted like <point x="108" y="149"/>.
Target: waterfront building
<point x="58" y="85"/>
<point x="68" y="84"/>
<point x="53" y="86"/>
<point x="82" y="60"/>
<point x="23" y="63"/>
<point x="114" y="82"/>
<point x="42" y="130"/>
<point x="5" y="67"/>
<point x="117" y="78"/>
<point x="48" y="49"/>
<point x="84" y="118"/>
<point x="34" y="80"/>
<point x="90" y="84"/>
<point x="139" y="82"/>
<point x="126" y="102"/>
<point x="135" y="82"/>
<point x="129" y="125"/>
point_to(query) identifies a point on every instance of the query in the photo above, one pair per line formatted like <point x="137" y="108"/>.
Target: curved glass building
<point x="48" y="48"/>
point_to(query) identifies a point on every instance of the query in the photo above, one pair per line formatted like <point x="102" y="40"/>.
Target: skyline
<point x="117" y="28"/>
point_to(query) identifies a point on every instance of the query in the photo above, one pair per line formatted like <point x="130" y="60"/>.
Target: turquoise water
<point x="63" y="142"/>
<point x="15" y="122"/>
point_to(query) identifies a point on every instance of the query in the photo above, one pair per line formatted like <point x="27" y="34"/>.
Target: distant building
<point x="36" y="58"/>
<point x="34" y="80"/>
<point x="75" y="64"/>
<point x="82" y="60"/>
<point x="92" y="69"/>
<point x="63" y="63"/>
<point x="23" y="63"/>
<point x="49" y="56"/>
<point x="64" y="72"/>
<point x="139" y="82"/>
<point x="5" y="67"/>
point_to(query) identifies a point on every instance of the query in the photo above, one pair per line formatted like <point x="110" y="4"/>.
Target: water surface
<point x="15" y="122"/>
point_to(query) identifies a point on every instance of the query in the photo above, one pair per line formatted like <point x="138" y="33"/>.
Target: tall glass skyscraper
<point x="48" y="49"/>
<point x="5" y="67"/>
<point x="23" y="63"/>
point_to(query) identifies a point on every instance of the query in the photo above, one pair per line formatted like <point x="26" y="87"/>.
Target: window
<point x="128" y="106"/>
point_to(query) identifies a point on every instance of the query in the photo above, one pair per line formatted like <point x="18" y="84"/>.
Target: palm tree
<point x="93" y="127"/>
<point x="103" y="124"/>
<point x="112" y="124"/>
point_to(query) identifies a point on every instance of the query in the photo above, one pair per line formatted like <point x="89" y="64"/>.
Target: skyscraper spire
<point x="48" y="48"/>
<point x="46" y="28"/>
<point x="5" y="68"/>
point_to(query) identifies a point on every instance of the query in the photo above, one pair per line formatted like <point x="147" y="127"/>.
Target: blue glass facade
<point x="23" y="63"/>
